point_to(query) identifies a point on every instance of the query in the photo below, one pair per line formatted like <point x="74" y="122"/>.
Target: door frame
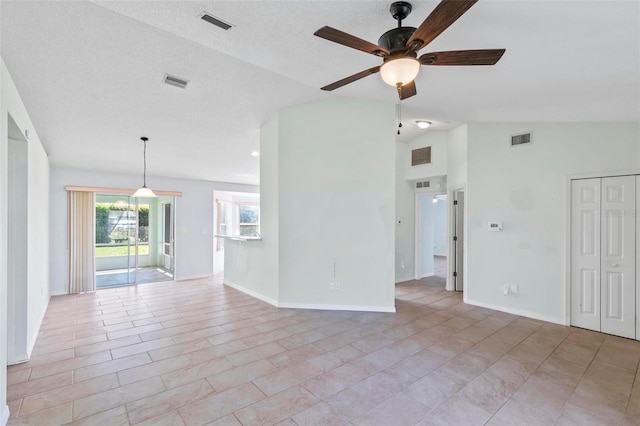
<point x="450" y="247"/>
<point x="568" y="245"/>
<point x="416" y="232"/>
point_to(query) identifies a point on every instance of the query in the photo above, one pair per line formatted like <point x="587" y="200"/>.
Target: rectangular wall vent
<point x="421" y="156"/>
<point x="175" y="81"/>
<point x="424" y="184"/>
<point x="522" y="139"/>
<point x="215" y="21"/>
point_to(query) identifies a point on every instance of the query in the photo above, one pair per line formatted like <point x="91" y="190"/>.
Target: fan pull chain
<point x="399" y="116"/>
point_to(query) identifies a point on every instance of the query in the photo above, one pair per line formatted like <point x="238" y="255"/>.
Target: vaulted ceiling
<point x="90" y="73"/>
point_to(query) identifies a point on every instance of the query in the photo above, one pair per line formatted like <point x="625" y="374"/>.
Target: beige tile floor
<point x="198" y="352"/>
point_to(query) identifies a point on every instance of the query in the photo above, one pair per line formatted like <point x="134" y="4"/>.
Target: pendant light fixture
<point x="144" y="192"/>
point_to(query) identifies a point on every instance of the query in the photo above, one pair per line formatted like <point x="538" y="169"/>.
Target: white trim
<point x="391" y="309"/>
<point x="287" y="305"/>
<point x="604" y="174"/>
<point x="192" y="277"/>
<point x="451" y="217"/>
<point x="567" y="254"/>
<point x="520" y="312"/>
<point x="427" y="275"/>
<point x="4" y="418"/>
<point x="59" y="293"/>
<point x="18" y="359"/>
<point x="252" y="293"/>
<point x="31" y="345"/>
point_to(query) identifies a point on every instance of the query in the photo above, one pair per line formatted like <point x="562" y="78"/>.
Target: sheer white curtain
<point x="82" y="274"/>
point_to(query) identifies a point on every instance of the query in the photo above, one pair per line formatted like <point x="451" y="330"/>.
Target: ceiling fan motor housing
<point x="395" y="40"/>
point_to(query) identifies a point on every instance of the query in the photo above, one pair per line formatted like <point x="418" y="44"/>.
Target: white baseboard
<point x="59" y="293"/>
<point x="194" y="277"/>
<point x="426" y="275"/>
<point x="4" y="416"/>
<point x="520" y="312"/>
<point x="252" y="293"/>
<point x="18" y="359"/>
<point x="309" y="305"/>
<point x="391" y="309"/>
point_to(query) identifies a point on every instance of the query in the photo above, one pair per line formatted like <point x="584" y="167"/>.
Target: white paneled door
<point x="618" y="261"/>
<point x="585" y="253"/>
<point x="603" y="255"/>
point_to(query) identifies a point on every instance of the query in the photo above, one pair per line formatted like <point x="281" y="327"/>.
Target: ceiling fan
<point x="399" y="47"/>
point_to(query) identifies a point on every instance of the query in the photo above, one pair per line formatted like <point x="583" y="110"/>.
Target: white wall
<point x="194" y="218"/>
<point x="336" y="204"/>
<point x="440" y="231"/>
<point x="457" y="157"/>
<point x="437" y="140"/>
<point x="37" y="223"/>
<point x="527" y="189"/>
<point x="38" y="232"/>
<point x="253" y="266"/>
<point x="327" y="204"/>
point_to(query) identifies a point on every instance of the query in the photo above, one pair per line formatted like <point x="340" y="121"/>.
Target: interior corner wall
<point x="194" y="226"/>
<point x="38" y="239"/>
<point x="437" y="140"/>
<point x="252" y="266"/>
<point x="4" y="144"/>
<point x="336" y="204"/>
<point x="526" y="187"/>
<point x="457" y="157"/>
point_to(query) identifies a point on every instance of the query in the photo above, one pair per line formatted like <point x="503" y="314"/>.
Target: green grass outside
<point x="120" y="250"/>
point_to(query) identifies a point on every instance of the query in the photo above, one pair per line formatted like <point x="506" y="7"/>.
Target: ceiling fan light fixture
<point x="400" y="71"/>
<point x="423" y="124"/>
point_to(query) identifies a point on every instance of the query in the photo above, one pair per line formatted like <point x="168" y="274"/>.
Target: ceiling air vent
<point x="421" y="156"/>
<point x="175" y="81"/>
<point x="424" y="184"/>
<point x="522" y="139"/>
<point x="215" y="21"/>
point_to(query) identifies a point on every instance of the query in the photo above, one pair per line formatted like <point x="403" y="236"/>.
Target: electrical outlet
<point x="332" y="286"/>
<point x="337" y="285"/>
<point x="506" y="289"/>
<point x="513" y="288"/>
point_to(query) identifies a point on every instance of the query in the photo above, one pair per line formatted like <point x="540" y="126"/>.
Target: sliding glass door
<point x="131" y="245"/>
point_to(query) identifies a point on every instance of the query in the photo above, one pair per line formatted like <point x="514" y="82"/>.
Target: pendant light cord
<point x="144" y="173"/>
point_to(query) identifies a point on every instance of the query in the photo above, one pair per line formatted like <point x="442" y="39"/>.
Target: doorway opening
<point x="431" y="239"/>
<point x="17" y="240"/>
<point x="134" y="240"/>
<point x="234" y="214"/>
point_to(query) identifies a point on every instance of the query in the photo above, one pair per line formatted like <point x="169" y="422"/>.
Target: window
<point x="222" y="221"/>
<point x="249" y="223"/>
<point x="236" y="218"/>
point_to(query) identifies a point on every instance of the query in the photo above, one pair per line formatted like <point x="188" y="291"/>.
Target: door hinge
<point x="455" y="238"/>
<point x="455" y="202"/>
<point x="455" y="274"/>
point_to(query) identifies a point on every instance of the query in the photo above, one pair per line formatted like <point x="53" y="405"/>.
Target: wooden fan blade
<point x="351" y="79"/>
<point x="463" y="57"/>
<point x="407" y="90"/>
<point x="351" y="41"/>
<point x="445" y="14"/>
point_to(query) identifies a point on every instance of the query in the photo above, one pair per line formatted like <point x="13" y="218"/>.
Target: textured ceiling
<point x="90" y="73"/>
